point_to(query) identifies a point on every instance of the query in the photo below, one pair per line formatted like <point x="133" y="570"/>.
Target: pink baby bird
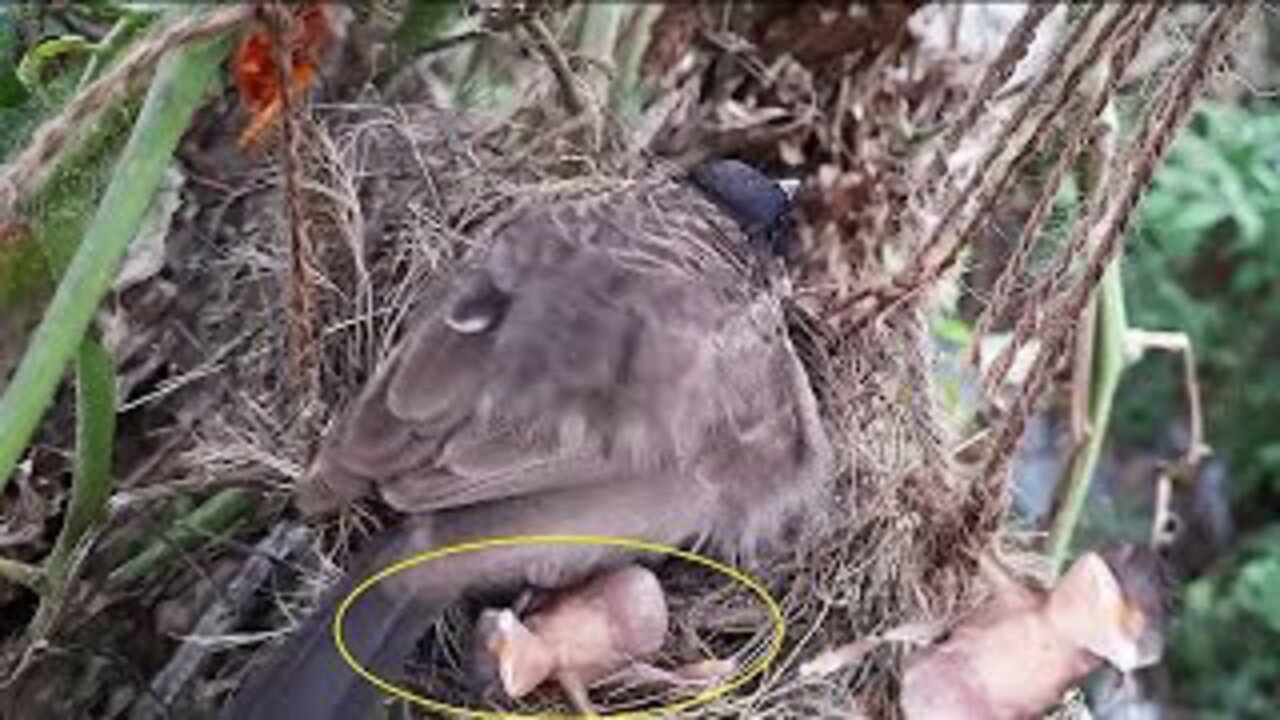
<point x="582" y="635"/>
<point x="1014" y="658"/>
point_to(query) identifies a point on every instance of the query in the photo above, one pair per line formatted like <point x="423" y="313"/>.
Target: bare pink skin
<point x="1019" y="653"/>
<point x="584" y="634"/>
<point x="1016" y="655"/>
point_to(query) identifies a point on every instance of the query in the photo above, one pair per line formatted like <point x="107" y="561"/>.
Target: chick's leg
<point x="577" y="692"/>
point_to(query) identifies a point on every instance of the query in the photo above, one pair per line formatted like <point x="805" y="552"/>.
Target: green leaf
<point x="122" y="33"/>
<point x="24" y="288"/>
<point x="423" y="23"/>
<point x="630" y="89"/>
<point x="12" y="92"/>
<point x="1258" y="591"/>
<point x="61" y="211"/>
<point x="179" y="86"/>
<point x="31" y="69"/>
<point x="953" y="329"/>
<point x="1265" y="174"/>
<point x="1252" y="277"/>
<point x="1243" y="212"/>
<point x="1194" y="217"/>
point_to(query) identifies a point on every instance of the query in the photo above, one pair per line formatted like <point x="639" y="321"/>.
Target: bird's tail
<point x="306" y="677"/>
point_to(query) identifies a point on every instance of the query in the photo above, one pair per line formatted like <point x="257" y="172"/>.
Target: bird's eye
<point x="478" y="307"/>
<point x="469" y="324"/>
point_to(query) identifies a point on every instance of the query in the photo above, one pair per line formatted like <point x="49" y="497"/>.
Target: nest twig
<point x="900" y="542"/>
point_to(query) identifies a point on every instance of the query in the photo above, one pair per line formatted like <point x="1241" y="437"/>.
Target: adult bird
<point x="611" y="364"/>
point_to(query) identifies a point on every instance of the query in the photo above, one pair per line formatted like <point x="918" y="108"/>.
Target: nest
<point x="308" y="263"/>
<point x="392" y="199"/>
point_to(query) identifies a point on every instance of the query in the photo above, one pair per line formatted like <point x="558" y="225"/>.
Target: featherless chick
<point x="612" y="364"/>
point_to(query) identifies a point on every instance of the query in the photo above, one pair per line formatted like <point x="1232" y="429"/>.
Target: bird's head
<point x="1113" y="604"/>
<point x="759" y="204"/>
<point x="521" y="659"/>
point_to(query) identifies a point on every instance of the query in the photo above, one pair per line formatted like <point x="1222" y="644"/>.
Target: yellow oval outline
<point x="771" y="605"/>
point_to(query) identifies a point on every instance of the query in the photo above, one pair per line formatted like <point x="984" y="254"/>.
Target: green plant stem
<point x="176" y="91"/>
<point x="601" y="24"/>
<point x="110" y="46"/>
<point x="21" y="573"/>
<point x="628" y="90"/>
<point x="214" y="517"/>
<point x="1108" y="363"/>
<point x="31" y="68"/>
<point x="91" y="480"/>
<point x="1105" y="340"/>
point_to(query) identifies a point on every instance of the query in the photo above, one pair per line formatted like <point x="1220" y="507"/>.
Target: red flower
<point x="258" y="78"/>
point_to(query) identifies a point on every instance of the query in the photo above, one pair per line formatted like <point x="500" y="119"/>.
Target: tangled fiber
<point x="307" y="262"/>
<point x="393" y="197"/>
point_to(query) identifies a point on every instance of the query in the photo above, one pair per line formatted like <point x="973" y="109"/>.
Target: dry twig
<point x="301" y="294"/>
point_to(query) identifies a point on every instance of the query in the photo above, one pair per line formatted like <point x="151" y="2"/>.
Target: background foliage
<point x="1207" y="262"/>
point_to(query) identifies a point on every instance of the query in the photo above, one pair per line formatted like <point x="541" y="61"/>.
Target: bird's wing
<point x="595" y="338"/>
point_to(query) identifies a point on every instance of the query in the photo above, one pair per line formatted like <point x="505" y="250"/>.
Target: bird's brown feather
<point x="631" y="334"/>
<point x="613" y="365"/>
